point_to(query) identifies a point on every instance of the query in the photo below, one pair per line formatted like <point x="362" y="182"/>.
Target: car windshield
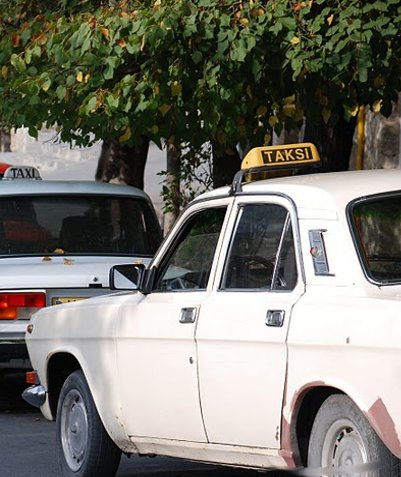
<point x="377" y="230"/>
<point x="77" y="224"/>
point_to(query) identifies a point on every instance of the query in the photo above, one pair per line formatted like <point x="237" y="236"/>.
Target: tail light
<point x="14" y="306"/>
<point x="31" y="377"/>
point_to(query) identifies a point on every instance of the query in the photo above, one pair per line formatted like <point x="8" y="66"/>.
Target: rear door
<point x="242" y="329"/>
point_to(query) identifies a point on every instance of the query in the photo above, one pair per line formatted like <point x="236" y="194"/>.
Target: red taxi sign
<point x="21" y="172"/>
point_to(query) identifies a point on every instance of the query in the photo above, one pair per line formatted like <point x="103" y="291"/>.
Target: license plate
<point x="58" y="300"/>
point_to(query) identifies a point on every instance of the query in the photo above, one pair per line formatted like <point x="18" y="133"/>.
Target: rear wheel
<point x="342" y="437"/>
<point x="84" y="447"/>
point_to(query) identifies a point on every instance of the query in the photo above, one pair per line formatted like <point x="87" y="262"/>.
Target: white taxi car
<point x="265" y="333"/>
<point x="58" y="241"/>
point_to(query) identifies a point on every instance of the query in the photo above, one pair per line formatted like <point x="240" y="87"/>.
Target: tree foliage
<point x="191" y="71"/>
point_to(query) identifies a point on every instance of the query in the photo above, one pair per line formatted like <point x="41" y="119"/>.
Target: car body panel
<point x="225" y="387"/>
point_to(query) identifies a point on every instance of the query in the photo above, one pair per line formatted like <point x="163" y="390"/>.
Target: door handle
<point x="275" y="318"/>
<point x="188" y="315"/>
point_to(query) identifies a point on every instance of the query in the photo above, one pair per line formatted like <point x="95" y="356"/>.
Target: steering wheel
<point x="247" y="261"/>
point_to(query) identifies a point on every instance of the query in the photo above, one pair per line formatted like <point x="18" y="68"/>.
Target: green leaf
<point x="33" y="132"/>
<point x="61" y="91"/>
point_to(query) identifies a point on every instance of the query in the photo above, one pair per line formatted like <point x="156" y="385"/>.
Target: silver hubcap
<point x="343" y="446"/>
<point x="74" y="429"/>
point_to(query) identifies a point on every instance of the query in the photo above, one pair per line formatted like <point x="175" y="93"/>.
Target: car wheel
<point x="341" y="436"/>
<point x="83" y="445"/>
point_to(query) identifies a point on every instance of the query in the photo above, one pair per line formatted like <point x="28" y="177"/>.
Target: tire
<point x="341" y="436"/>
<point x="83" y="446"/>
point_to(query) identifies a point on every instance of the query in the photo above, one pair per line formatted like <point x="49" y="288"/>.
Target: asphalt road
<point x="27" y="446"/>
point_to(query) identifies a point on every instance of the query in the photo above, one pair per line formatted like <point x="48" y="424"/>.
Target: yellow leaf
<point x="79" y="77"/>
<point x="330" y="19"/>
<point x="4" y="72"/>
<point x="244" y="22"/>
<point x="41" y="38"/>
<point x="104" y="31"/>
<point x="295" y="40"/>
<point x="267" y="139"/>
<point x="289" y="99"/>
<point x="154" y="129"/>
<point x="87" y="77"/>
<point x="176" y="88"/>
<point x="249" y="91"/>
<point x="378" y="82"/>
<point x="261" y="111"/>
<point x="273" y="121"/>
<point x="164" y="109"/>
<point x="354" y="110"/>
<point x="143" y="43"/>
<point x="326" y="113"/>
<point x="15" y="40"/>
<point x="126" y="135"/>
<point x="377" y="106"/>
<point x="289" y="109"/>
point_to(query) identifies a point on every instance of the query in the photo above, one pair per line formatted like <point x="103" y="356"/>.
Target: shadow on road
<point x="11" y="387"/>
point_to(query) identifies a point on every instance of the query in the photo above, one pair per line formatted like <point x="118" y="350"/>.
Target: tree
<point x="188" y="72"/>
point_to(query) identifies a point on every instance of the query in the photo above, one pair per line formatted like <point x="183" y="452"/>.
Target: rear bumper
<point x="13" y="352"/>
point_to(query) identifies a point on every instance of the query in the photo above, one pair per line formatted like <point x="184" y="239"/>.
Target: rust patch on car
<point x="384" y="425"/>
<point x="286" y="445"/>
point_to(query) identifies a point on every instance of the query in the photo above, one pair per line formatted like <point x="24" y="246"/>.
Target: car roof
<point x="330" y="190"/>
<point x="43" y="187"/>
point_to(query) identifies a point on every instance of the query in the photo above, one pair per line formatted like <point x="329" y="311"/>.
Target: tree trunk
<point x="333" y="143"/>
<point x="125" y="164"/>
<point x="5" y="140"/>
<point x="226" y="162"/>
<point x="173" y="185"/>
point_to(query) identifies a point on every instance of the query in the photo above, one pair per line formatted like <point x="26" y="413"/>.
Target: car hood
<point x="60" y="271"/>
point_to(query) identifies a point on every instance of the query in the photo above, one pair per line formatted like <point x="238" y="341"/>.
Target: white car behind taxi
<point x="58" y="241"/>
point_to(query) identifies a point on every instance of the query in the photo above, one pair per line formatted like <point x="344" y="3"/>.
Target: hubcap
<point x="74" y="429"/>
<point x="343" y="446"/>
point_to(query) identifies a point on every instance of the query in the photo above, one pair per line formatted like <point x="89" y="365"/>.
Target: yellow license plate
<point x="58" y="300"/>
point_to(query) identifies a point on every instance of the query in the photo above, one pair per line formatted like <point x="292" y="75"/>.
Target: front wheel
<point x="342" y="437"/>
<point x="83" y="445"/>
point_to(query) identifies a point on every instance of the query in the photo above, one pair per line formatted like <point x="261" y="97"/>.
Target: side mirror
<point x="126" y="276"/>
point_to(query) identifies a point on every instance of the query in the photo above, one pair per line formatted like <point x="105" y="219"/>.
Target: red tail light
<point x="20" y="305"/>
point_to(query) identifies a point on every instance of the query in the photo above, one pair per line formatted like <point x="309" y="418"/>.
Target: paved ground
<point x="27" y="446"/>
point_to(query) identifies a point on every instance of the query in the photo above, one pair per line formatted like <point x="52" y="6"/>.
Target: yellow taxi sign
<point x="289" y="155"/>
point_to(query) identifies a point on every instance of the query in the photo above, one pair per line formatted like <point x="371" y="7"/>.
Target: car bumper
<point x="13" y="352"/>
<point x="35" y="395"/>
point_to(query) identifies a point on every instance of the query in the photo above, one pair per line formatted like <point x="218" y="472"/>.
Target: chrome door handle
<point x="188" y="315"/>
<point x="275" y="318"/>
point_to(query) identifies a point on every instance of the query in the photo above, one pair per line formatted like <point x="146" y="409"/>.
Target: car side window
<point x="261" y="254"/>
<point x="189" y="264"/>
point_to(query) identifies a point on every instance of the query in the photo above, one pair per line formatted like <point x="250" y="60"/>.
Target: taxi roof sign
<point x="21" y="172"/>
<point x="281" y="156"/>
<point x="288" y="157"/>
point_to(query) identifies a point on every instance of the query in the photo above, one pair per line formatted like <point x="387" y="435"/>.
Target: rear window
<point x="77" y="224"/>
<point x="376" y="224"/>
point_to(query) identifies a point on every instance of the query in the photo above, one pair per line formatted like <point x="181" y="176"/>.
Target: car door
<point x="156" y="350"/>
<point x="242" y="328"/>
